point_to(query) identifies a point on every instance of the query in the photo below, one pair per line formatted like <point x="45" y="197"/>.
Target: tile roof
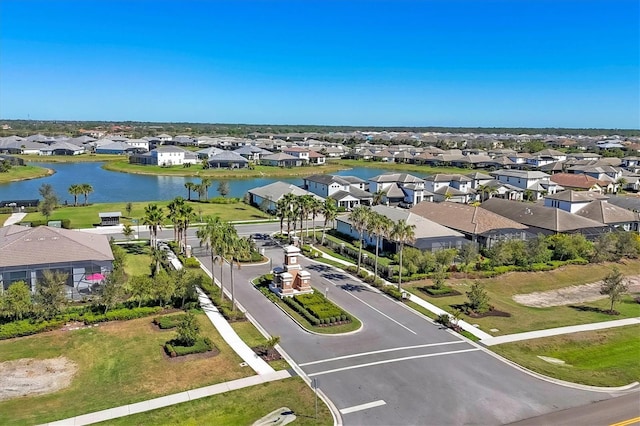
<point x="20" y="245"/>
<point x="576" y="196"/>
<point x="603" y="212"/>
<point x="465" y="218"/>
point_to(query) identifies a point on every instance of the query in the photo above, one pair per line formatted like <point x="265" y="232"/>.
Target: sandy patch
<point x="569" y="295"/>
<point x="29" y="376"/>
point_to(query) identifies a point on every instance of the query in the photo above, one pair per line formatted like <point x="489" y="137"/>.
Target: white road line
<point x="381" y="313"/>
<point x="363" y="406"/>
<point x="380" y="352"/>
<point x="335" y="370"/>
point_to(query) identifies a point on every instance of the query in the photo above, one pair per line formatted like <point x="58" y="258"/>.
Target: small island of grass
<point x="17" y="173"/>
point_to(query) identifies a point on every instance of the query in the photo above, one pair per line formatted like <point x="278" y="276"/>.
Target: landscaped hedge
<point x="316" y="309"/>
<point x="191" y="262"/>
<point x="168" y="322"/>
<point x="120" y="314"/>
<point x="173" y="349"/>
<point x="28" y="327"/>
<point x="392" y="291"/>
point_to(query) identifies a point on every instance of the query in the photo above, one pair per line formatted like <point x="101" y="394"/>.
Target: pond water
<point x="109" y="187"/>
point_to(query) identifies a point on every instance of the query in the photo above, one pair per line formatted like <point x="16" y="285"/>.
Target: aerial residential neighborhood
<point x="371" y="213"/>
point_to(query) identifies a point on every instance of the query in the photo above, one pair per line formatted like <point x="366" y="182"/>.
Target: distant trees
<point x="223" y="188"/>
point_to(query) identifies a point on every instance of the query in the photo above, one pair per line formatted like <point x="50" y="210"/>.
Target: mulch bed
<point x="272" y="355"/>
<point x="491" y="313"/>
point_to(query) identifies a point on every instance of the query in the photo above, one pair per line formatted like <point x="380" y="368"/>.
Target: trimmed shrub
<point x="168" y="322"/>
<point x="120" y="315"/>
<point x="174" y="349"/>
<point x="28" y="327"/>
<point x="392" y="291"/>
<point x="191" y="262"/>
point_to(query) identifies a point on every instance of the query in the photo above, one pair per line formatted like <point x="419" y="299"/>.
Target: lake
<point x="111" y="186"/>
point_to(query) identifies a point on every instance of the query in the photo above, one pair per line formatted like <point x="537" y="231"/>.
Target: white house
<point x="537" y="182"/>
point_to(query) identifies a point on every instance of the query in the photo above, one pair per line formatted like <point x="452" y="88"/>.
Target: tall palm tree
<point x="174" y="216"/>
<point x="235" y="248"/>
<point x="206" y="183"/>
<point x="86" y="190"/>
<point x="378" y="197"/>
<point x="187" y="215"/>
<point x="211" y="235"/>
<point x="315" y="208"/>
<point x="380" y="226"/>
<point x="288" y="201"/>
<point x="402" y="233"/>
<point x="329" y="211"/>
<point x="153" y="218"/>
<point x="281" y="212"/>
<point x="359" y="217"/>
<point x="75" y="190"/>
<point x="190" y="186"/>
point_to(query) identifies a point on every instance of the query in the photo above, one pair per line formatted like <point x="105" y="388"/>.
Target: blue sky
<point x="560" y="63"/>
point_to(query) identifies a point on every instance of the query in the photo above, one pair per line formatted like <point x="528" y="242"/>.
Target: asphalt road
<point x="399" y="369"/>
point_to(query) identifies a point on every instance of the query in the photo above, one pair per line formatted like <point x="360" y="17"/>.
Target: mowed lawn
<point x="239" y="407"/>
<point x="598" y="358"/>
<point x="4" y="217"/>
<point x="118" y="363"/>
<point x="23" y="172"/>
<point x="87" y="216"/>
<point x="82" y="158"/>
<point x="523" y="318"/>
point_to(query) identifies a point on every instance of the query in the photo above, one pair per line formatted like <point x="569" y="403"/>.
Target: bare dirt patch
<point x="570" y="295"/>
<point x="29" y="376"/>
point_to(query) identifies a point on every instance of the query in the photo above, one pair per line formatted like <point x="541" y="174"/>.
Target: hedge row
<point x="168" y="322"/>
<point x="120" y="314"/>
<point x="30" y="326"/>
<point x="202" y="345"/>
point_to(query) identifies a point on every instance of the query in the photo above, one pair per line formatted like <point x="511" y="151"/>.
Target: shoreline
<point x="41" y="174"/>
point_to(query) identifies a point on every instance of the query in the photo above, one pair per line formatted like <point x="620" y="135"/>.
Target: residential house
<point x="165" y="155"/>
<point x="62" y="148"/>
<point x="476" y="223"/>
<point x="207" y="153"/>
<point x="317" y="158"/>
<point x="580" y="182"/>
<point x="252" y="153"/>
<point x="429" y="235"/>
<point x="545" y="220"/>
<point x="229" y="160"/>
<point x="570" y="200"/>
<point x="299" y="153"/>
<point x="267" y="196"/>
<point x="346" y="191"/>
<point x="25" y="253"/>
<point x="535" y="183"/>
<point x="611" y="215"/>
<point x="544" y="157"/>
<point x="281" y="159"/>
<point x="398" y="188"/>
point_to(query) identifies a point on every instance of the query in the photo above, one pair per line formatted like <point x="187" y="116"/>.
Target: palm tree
<point x="153" y="218"/>
<point x="235" y="248"/>
<point x="306" y="202"/>
<point x="378" y="197"/>
<point x="329" y="211"/>
<point x="380" y="226"/>
<point x="187" y="215"/>
<point x="402" y="233"/>
<point x="174" y="216"/>
<point x="621" y="183"/>
<point x="211" y="235"/>
<point x="359" y="217"/>
<point x="281" y="212"/>
<point x="315" y="208"/>
<point x="190" y="186"/>
<point x="86" y="190"/>
<point x="206" y="183"/>
<point x="75" y="190"/>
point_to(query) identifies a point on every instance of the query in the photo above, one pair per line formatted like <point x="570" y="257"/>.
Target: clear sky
<point x="557" y="63"/>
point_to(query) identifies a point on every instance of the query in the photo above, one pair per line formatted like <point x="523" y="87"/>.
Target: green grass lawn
<point x="118" y="363"/>
<point x="197" y="171"/>
<point x="409" y="168"/>
<point x="87" y="216"/>
<point x="598" y="358"/>
<point x="502" y="288"/>
<point x="252" y="337"/>
<point x="82" y="158"/>
<point x="25" y="172"/>
<point x="239" y="407"/>
<point x="4" y="217"/>
<point x="137" y="260"/>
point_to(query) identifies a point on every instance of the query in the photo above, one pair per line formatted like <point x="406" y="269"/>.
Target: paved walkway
<point x="557" y="331"/>
<point x="415" y="299"/>
<point x="231" y="337"/>
<point x="173" y="399"/>
<point x="14" y="218"/>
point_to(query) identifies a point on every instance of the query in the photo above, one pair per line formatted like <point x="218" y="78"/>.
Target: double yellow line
<point x="627" y="422"/>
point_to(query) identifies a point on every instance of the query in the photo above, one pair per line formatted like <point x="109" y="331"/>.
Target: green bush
<point x="173" y="348"/>
<point x="28" y="327"/>
<point x="392" y="291"/>
<point x="437" y="291"/>
<point x="168" y="322"/>
<point x="191" y="262"/>
<point x="120" y="314"/>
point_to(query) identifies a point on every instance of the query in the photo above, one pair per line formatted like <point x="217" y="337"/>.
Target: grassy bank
<point x="82" y="158"/>
<point x="118" y="363"/>
<point x="409" y="168"/>
<point x="25" y="172"/>
<point x="197" y="171"/>
<point x="501" y="290"/>
<point x="87" y="216"/>
<point x="239" y="407"/>
<point x="597" y="358"/>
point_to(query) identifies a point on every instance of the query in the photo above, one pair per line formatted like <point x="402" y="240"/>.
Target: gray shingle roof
<point x="20" y="245"/>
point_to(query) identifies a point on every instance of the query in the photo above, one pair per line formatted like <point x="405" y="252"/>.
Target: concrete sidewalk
<point x="14" y="218"/>
<point x="231" y="337"/>
<point x="415" y="299"/>
<point x="557" y="331"/>
<point x="168" y="400"/>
